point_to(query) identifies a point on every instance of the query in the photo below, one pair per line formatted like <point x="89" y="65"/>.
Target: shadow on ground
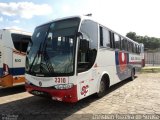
<point x="12" y="90"/>
<point x="38" y="108"/>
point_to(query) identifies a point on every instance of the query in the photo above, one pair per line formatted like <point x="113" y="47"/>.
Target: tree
<point x="132" y="35"/>
<point x="150" y="43"/>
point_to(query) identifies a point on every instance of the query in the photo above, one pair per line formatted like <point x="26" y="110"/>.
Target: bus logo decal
<point x="121" y="64"/>
<point x="84" y="90"/>
<point x="122" y="61"/>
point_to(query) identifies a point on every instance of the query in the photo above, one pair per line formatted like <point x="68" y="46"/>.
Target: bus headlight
<point x="64" y="86"/>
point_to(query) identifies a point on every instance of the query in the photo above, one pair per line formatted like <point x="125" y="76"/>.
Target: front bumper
<point x="65" y="95"/>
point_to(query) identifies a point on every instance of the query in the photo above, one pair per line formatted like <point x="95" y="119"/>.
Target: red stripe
<point x="69" y="95"/>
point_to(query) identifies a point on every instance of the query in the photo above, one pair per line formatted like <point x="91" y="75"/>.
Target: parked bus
<point x="13" y="46"/>
<point x="72" y="58"/>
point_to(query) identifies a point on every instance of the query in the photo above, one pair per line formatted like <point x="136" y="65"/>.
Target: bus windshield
<point x="20" y="41"/>
<point x="52" y="49"/>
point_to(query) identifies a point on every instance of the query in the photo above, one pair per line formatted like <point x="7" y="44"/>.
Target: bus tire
<point x="133" y="74"/>
<point x="103" y="87"/>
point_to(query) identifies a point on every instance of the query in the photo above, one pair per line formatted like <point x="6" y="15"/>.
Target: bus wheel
<point x="102" y="88"/>
<point x="132" y="74"/>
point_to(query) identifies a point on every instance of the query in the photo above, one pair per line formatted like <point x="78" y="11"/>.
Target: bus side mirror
<point x="84" y="45"/>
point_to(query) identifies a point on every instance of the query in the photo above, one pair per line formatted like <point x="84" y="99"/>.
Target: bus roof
<point x="17" y="31"/>
<point x="82" y="17"/>
<point x="59" y="19"/>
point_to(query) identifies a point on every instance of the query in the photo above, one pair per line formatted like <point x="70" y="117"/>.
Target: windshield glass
<point x="20" y="41"/>
<point x="52" y="49"/>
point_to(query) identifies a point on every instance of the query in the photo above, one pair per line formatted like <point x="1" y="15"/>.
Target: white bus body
<point x="78" y="57"/>
<point x="13" y="46"/>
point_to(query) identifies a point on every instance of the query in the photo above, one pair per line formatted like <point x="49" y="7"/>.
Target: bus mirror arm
<point x="80" y="35"/>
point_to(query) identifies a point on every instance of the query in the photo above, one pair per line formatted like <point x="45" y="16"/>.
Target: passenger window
<point x="130" y="47"/>
<point x="117" y="41"/>
<point x="104" y="38"/>
<point x="126" y="44"/>
<point x="101" y="36"/>
<point x="139" y="49"/>
<point x="123" y="43"/>
<point x="134" y="48"/>
<point x="112" y="43"/>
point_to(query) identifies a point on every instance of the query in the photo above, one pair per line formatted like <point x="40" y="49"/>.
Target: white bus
<point x="13" y="46"/>
<point x="72" y="58"/>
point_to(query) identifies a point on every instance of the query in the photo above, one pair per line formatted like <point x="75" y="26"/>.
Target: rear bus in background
<point x="13" y="46"/>
<point x="72" y="58"/>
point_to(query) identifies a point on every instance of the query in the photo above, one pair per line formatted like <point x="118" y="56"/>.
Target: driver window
<point x="87" y="56"/>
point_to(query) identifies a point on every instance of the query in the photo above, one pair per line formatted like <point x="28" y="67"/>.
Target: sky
<point x="122" y="16"/>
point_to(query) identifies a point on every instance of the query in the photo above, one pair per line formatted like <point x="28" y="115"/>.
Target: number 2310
<point x="60" y="80"/>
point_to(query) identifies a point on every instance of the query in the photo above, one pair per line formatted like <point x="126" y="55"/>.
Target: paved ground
<point x="141" y="96"/>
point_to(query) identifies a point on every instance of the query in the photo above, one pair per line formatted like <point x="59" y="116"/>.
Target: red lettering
<point x="55" y="80"/>
<point x="60" y="80"/>
<point x="64" y="80"/>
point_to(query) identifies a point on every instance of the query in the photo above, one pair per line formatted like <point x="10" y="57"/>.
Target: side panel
<point x="135" y="59"/>
<point x="123" y="67"/>
<point x="83" y="84"/>
<point x="106" y="62"/>
<point x="18" y="69"/>
<point x="18" y="63"/>
<point x="87" y="82"/>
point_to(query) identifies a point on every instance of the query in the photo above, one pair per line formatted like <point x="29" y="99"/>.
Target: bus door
<point x="87" y="52"/>
<point x="87" y="69"/>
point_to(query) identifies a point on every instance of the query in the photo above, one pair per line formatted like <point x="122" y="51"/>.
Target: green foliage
<point x="150" y="43"/>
